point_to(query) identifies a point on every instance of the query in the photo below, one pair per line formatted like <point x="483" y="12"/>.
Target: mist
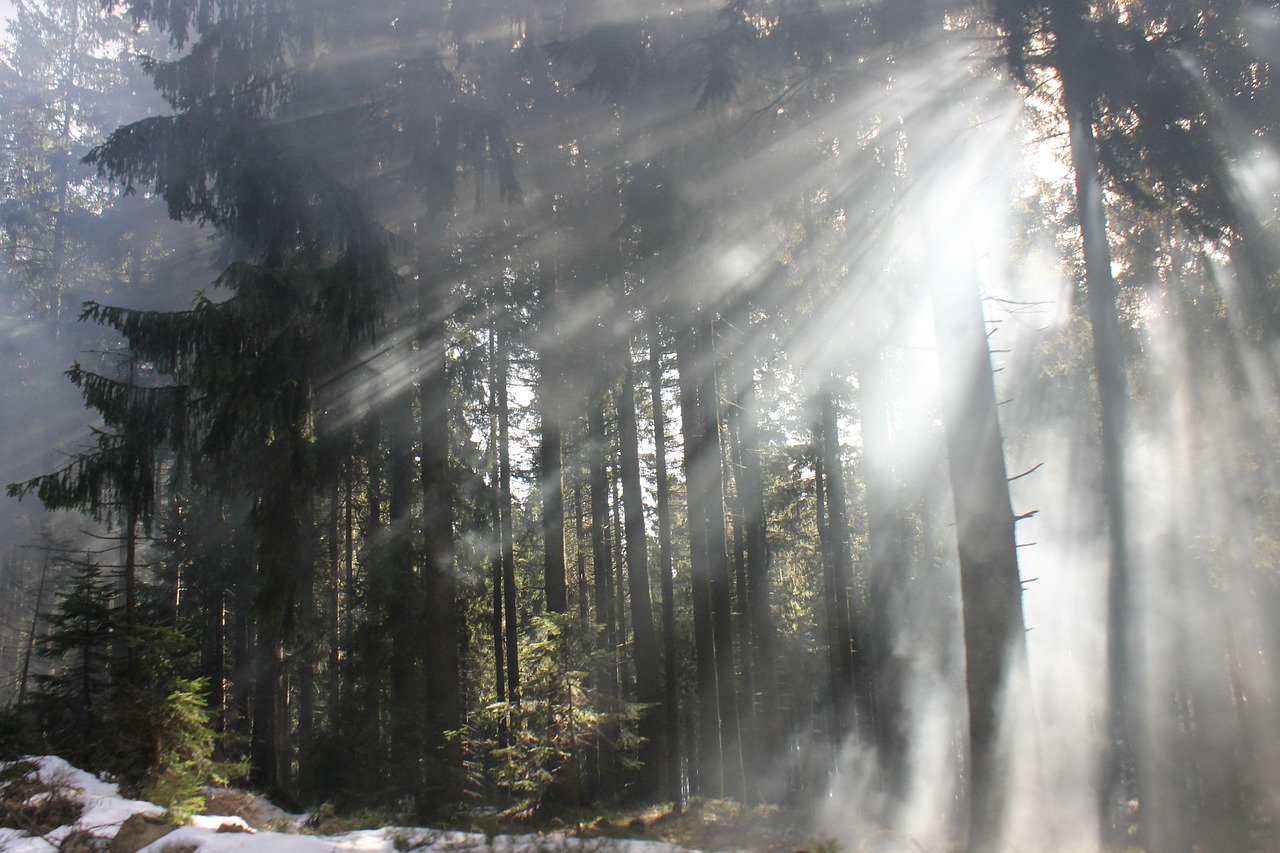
<point x="865" y="412"/>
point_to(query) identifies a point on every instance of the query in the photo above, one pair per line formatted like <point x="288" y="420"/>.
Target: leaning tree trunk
<point x="990" y="587"/>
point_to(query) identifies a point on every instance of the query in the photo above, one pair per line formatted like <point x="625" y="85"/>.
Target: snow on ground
<point x="105" y="810"/>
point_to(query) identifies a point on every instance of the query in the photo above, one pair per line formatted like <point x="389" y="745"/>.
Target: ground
<point x="46" y="804"/>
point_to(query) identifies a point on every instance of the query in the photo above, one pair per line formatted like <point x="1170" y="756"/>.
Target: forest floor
<point x="55" y="806"/>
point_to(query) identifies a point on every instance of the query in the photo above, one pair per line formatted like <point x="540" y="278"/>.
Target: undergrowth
<point x="32" y="806"/>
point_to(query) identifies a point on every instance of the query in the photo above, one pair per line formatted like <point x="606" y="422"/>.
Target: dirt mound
<point x="256" y="810"/>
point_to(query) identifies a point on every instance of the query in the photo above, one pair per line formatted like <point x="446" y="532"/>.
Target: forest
<point x="863" y="408"/>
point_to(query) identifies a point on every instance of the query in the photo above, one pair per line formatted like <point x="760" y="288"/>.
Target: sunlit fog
<point x="751" y="424"/>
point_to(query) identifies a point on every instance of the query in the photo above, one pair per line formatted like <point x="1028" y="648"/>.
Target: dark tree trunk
<point x="496" y="638"/>
<point x="602" y="569"/>
<point x="1120" y="772"/>
<point x="666" y="568"/>
<point x="846" y="685"/>
<point x="888" y="574"/>
<point x="305" y="658"/>
<point x="707" y="561"/>
<point x="551" y="464"/>
<point x="507" y="543"/>
<point x="768" y="729"/>
<point x="442" y="663"/>
<point x="404" y="600"/>
<point x="645" y="652"/>
<point x="991" y="590"/>
<point x="30" y="645"/>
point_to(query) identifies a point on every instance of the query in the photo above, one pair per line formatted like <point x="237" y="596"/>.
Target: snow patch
<point x="105" y="810"/>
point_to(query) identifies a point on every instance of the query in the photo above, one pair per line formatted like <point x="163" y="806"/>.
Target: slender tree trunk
<point x="551" y="465"/>
<point x="334" y="591"/>
<point x="497" y="640"/>
<point x="64" y="180"/>
<point x="1120" y="772"/>
<point x="759" y="605"/>
<point x="887" y="577"/>
<point x="645" y="653"/>
<point x="29" y="651"/>
<point x="305" y="658"/>
<point x="602" y="566"/>
<point x="131" y="591"/>
<point x="404" y="601"/>
<point x="501" y="368"/>
<point x="847" y="689"/>
<point x="666" y="570"/>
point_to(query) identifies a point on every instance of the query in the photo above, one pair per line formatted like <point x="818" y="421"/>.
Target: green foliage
<point x="535" y="749"/>
<point x="175" y="743"/>
<point x="151" y="727"/>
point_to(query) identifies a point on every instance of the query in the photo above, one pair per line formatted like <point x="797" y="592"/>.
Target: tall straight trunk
<point x="768" y="729"/>
<point x="711" y="494"/>
<point x="501" y="368"/>
<point x="64" y="179"/>
<point x="645" y="652"/>
<point x="550" y="456"/>
<point x="746" y="691"/>
<point x="1120" y="773"/>
<point x="278" y="525"/>
<point x="990" y="587"/>
<point x="711" y="750"/>
<point x="334" y="593"/>
<point x="580" y="557"/>
<point x="265" y="762"/>
<point x="497" y="641"/>
<point x="404" y="607"/>
<point x="886" y="581"/>
<point x="847" y="687"/>
<point x="442" y="662"/>
<point x="666" y="571"/>
<point x="602" y="570"/>
<point x="625" y="678"/>
<point x="305" y="657"/>
<point x="131" y="590"/>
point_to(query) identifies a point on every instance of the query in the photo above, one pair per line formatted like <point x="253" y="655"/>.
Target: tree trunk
<point x="666" y="568"/>
<point x="602" y="571"/>
<point x="404" y="609"/>
<point x="847" y="688"/>
<point x="1120" y="772"/>
<point x="759" y="605"/>
<point x="551" y="466"/>
<point x="645" y="652"/>
<point x="887" y="578"/>
<point x="991" y="590"/>
<point x="505" y="511"/>
<point x="442" y="662"/>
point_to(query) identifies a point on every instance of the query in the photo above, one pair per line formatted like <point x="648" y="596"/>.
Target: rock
<point x="139" y="831"/>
